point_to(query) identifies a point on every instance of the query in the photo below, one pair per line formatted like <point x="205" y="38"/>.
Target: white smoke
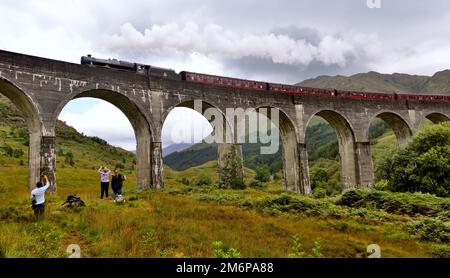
<point x="215" y="41"/>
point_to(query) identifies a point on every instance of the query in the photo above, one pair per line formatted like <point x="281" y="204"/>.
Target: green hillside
<point x="377" y="82"/>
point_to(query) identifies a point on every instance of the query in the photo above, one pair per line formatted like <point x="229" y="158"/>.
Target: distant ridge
<point x="372" y="81"/>
<point x="175" y="148"/>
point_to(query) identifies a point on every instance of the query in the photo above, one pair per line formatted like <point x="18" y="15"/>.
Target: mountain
<point x="194" y="155"/>
<point x="378" y="82"/>
<point x="175" y="148"/>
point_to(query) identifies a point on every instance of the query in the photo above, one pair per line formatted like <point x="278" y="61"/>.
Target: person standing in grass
<point x="38" y="197"/>
<point x="104" y="181"/>
<point x="117" y="183"/>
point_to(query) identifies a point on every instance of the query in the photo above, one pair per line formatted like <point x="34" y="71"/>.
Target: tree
<point x="423" y="165"/>
<point x="231" y="174"/>
<point x="262" y="173"/>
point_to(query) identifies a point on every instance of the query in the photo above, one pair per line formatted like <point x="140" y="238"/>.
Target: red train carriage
<point x="365" y="95"/>
<point x="288" y="89"/>
<point x="427" y="98"/>
<point x="291" y="89"/>
<point x="223" y="81"/>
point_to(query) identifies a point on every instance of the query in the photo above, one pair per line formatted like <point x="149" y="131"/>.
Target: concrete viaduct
<point x="40" y="88"/>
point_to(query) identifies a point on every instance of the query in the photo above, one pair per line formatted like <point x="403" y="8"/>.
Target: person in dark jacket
<point x="117" y="183"/>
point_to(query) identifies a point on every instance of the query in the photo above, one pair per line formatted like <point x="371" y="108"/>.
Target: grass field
<point x="184" y="221"/>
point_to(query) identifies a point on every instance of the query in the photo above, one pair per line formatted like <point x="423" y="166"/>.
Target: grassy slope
<point x="182" y="221"/>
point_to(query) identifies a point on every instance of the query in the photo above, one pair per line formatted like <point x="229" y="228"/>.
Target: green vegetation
<point x="397" y="203"/>
<point x="298" y="249"/>
<point x="231" y="174"/>
<point x="423" y="165"/>
<point x="222" y="252"/>
<point x="262" y="173"/>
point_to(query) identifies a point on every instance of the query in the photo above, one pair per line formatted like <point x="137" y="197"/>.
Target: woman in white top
<point x="38" y="197"/>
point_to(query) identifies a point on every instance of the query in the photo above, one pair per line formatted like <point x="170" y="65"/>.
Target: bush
<point x="300" y="253"/>
<point x="120" y="166"/>
<point x="69" y="158"/>
<point x="255" y="184"/>
<point x="288" y="204"/>
<point x="203" y="180"/>
<point x="319" y="192"/>
<point x="221" y="252"/>
<point x="440" y="251"/>
<point x="231" y="174"/>
<point x="399" y="203"/>
<point x="431" y="229"/>
<point x="184" y="181"/>
<point x="262" y="173"/>
<point x="320" y="178"/>
<point x="423" y="165"/>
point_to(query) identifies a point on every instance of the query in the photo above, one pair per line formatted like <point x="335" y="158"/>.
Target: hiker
<point x="38" y="197"/>
<point x="117" y="183"/>
<point x="104" y="181"/>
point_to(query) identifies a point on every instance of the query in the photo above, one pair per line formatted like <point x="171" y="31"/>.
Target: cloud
<point x="103" y="120"/>
<point x="216" y="41"/>
<point x="184" y="125"/>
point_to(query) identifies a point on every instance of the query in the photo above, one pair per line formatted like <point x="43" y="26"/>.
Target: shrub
<point x="288" y="204"/>
<point x="231" y="174"/>
<point x="319" y="192"/>
<point x="262" y="173"/>
<point x="399" y="203"/>
<point x="69" y="159"/>
<point x="221" y="252"/>
<point x="255" y="184"/>
<point x="300" y="253"/>
<point x="320" y="178"/>
<point x="120" y="166"/>
<point x="184" y="181"/>
<point x="423" y="165"/>
<point x="431" y="229"/>
<point x="440" y="251"/>
<point x="203" y="180"/>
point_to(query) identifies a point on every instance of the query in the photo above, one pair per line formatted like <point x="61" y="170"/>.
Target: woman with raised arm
<point x="104" y="181"/>
<point x="38" y="197"/>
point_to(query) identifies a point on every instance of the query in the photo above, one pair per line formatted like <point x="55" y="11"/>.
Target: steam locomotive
<point x="251" y="84"/>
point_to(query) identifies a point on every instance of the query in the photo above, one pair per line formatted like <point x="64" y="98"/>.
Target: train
<point x="223" y="81"/>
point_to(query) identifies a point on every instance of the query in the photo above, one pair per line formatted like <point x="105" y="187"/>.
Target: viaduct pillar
<point x="364" y="164"/>
<point x="304" y="185"/>
<point x="157" y="165"/>
<point x="48" y="160"/>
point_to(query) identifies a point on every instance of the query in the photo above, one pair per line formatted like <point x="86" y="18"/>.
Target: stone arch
<point x="437" y="117"/>
<point x="294" y="178"/>
<point x="346" y="142"/>
<point x="397" y="123"/>
<point x="148" y="168"/>
<point x="31" y="111"/>
<point x="225" y="137"/>
<point x="205" y="105"/>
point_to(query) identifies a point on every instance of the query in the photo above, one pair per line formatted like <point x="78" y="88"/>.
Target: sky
<point x="271" y="40"/>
